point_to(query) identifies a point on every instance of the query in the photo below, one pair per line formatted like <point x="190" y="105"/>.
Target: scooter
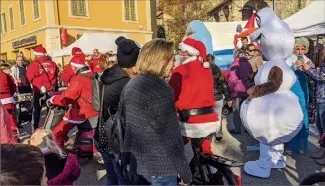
<point x="83" y="143"/>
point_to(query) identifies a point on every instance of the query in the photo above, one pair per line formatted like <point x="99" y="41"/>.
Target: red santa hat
<point x="76" y="50"/>
<point x="40" y="51"/>
<point x="78" y="61"/>
<point x="195" y="48"/>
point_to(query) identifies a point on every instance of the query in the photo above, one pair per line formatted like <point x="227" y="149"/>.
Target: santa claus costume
<point x="8" y="89"/>
<point x="79" y="96"/>
<point x="272" y="113"/>
<point x="192" y="82"/>
<point x="42" y="73"/>
<point x="67" y="71"/>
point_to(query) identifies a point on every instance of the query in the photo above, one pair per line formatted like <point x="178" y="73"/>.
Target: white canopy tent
<point x="89" y="41"/>
<point x="309" y="21"/>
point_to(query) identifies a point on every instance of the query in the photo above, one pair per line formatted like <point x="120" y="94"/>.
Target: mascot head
<point x="197" y="30"/>
<point x="274" y="35"/>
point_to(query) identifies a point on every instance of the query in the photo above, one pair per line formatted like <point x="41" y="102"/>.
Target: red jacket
<point x="67" y="74"/>
<point x="78" y="90"/>
<point x="193" y="89"/>
<point x="7" y="88"/>
<point x="95" y="65"/>
<point x="37" y="76"/>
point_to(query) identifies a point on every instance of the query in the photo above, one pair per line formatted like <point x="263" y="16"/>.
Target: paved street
<point x="234" y="147"/>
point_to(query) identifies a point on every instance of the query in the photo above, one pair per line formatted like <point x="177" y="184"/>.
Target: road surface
<point x="231" y="146"/>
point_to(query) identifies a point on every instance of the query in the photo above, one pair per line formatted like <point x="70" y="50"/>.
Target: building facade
<point x="26" y="24"/>
<point x="238" y="10"/>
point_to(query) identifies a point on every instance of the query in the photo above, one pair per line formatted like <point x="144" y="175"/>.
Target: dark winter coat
<point x="220" y="85"/>
<point x="114" y="80"/>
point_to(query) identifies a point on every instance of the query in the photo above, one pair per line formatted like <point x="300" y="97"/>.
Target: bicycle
<point x="203" y="175"/>
<point x="316" y="178"/>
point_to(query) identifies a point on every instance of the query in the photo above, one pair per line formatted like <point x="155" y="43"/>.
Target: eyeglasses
<point x="300" y="49"/>
<point x="251" y="50"/>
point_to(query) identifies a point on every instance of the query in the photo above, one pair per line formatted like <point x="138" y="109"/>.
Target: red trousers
<point x="10" y="108"/>
<point x="61" y="131"/>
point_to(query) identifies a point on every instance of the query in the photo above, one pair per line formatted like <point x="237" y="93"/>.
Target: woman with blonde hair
<point x="148" y="114"/>
<point x="61" y="168"/>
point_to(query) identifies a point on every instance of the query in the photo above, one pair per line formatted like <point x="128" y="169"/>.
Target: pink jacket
<point x="240" y="80"/>
<point x="6" y="132"/>
<point x="70" y="173"/>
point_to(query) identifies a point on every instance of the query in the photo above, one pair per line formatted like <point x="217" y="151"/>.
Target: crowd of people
<point x="163" y="98"/>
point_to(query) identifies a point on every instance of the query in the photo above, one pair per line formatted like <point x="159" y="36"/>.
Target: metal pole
<point x="273" y="5"/>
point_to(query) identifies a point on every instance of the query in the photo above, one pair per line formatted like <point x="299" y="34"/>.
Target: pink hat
<point x="76" y="50"/>
<point x="195" y="48"/>
<point x="40" y="51"/>
<point x="78" y="61"/>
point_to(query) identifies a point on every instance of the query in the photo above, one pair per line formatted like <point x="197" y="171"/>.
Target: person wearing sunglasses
<point x="254" y="57"/>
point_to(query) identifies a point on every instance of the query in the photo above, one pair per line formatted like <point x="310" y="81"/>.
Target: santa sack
<point x="274" y="118"/>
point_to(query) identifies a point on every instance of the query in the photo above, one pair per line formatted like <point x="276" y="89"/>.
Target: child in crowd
<point x="61" y="168"/>
<point x="241" y="79"/>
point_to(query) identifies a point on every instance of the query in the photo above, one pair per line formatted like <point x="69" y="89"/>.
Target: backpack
<point x="96" y="92"/>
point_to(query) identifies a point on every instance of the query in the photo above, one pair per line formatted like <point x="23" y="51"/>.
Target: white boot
<point x="261" y="167"/>
<point x="278" y="159"/>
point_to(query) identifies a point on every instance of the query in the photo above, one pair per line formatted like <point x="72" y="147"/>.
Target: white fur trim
<point x="72" y="121"/>
<point x="85" y="71"/>
<point x="191" y="50"/>
<point x="206" y="65"/>
<point x="51" y="99"/>
<point x="199" y="130"/>
<point x="77" y="65"/>
<point x="190" y="59"/>
<point x="39" y="54"/>
<point x="8" y="100"/>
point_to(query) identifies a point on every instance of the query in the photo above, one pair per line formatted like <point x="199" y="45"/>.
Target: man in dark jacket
<point x="114" y="80"/>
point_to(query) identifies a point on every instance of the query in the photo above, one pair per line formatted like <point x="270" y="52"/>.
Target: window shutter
<point x="78" y="7"/>
<point x="82" y="8"/>
<point x="74" y="7"/>
<point x="22" y="12"/>
<point x="11" y="17"/>
<point x="36" y="10"/>
<point x="127" y="9"/>
<point x="132" y="10"/>
<point x="3" y="17"/>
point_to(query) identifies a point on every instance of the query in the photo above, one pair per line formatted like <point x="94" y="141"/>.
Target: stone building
<point x="238" y="10"/>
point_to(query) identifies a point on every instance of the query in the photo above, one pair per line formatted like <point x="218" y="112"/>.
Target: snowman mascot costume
<point x="272" y="113"/>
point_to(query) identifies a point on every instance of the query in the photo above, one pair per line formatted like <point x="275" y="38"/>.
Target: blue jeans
<point x="112" y="168"/>
<point x="168" y="180"/>
<point x="320" y="118"/>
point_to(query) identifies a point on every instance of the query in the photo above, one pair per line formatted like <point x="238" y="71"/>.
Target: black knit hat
<point x="127" y="53"/>
<point x="119" y="39"/>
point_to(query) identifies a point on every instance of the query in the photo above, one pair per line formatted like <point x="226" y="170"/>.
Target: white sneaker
<point x="252" y="168"/>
